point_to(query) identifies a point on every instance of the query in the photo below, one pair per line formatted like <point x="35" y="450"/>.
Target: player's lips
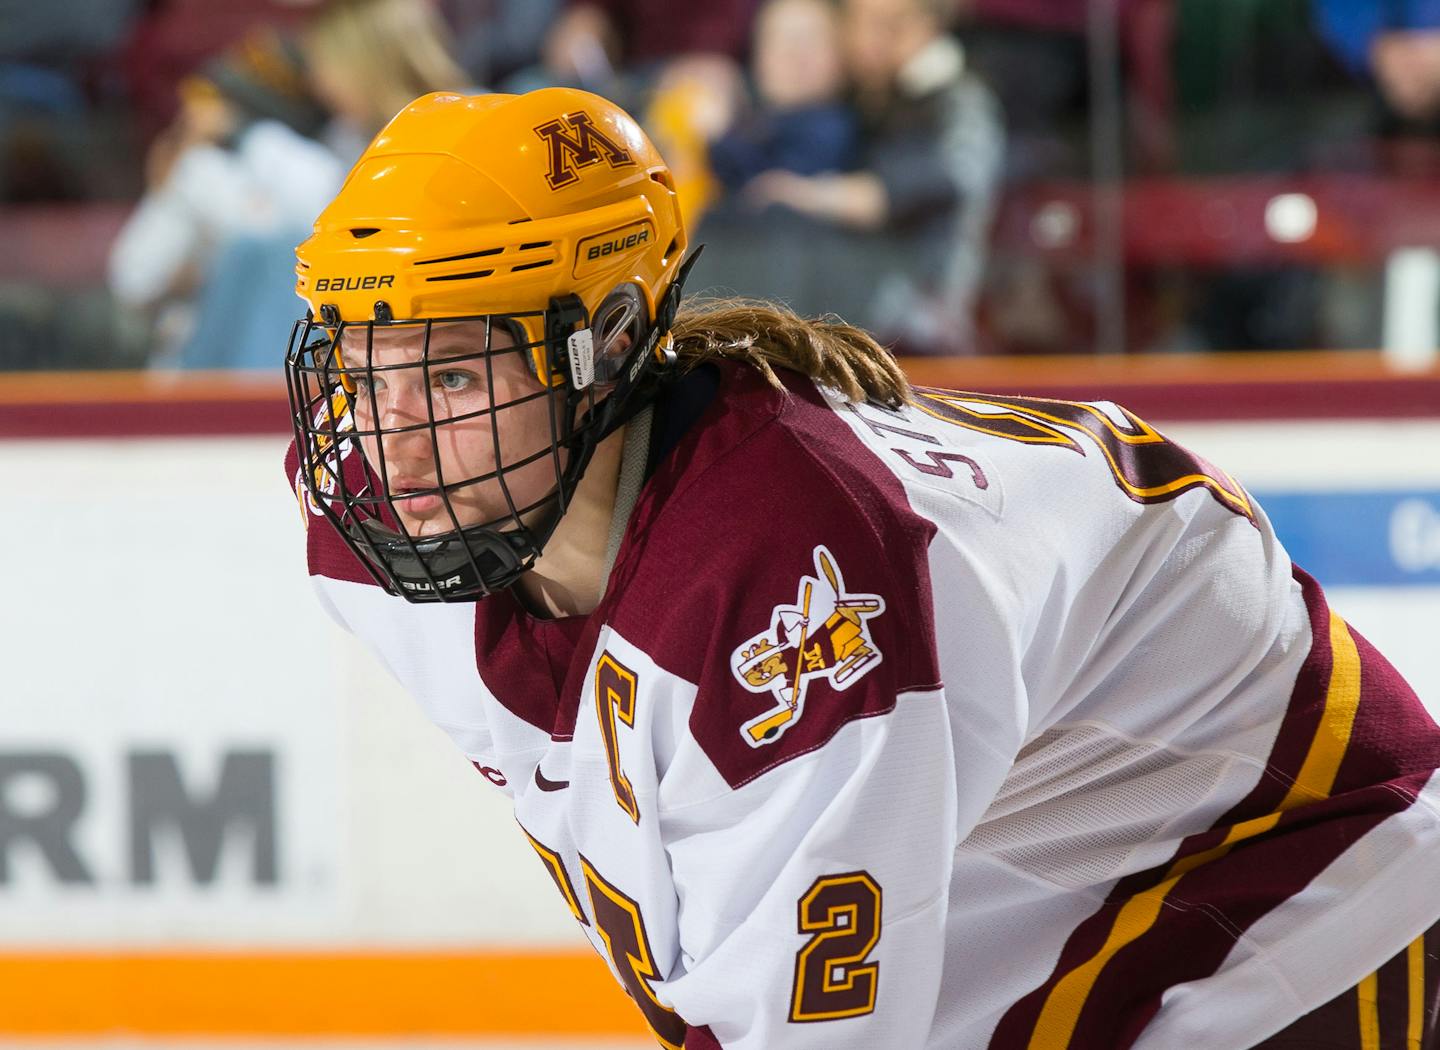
<point x="416" y="496"/>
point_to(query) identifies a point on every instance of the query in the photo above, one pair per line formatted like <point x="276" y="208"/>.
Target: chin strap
<point x="627" y="489"/>
<point x="636" y="413"/>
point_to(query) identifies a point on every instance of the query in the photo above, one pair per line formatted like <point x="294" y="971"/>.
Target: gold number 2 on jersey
<point x="832" y="978"/>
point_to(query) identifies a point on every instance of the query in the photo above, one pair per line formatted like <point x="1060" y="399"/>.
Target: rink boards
<point x="217" y="815"/>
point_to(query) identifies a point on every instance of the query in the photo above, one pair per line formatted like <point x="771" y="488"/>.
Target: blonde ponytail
<point x="766" y="335"/>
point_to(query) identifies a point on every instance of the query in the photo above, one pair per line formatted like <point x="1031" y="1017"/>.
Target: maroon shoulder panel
<point x="774" y="561"/>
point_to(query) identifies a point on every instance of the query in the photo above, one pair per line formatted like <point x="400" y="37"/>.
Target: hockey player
<point x="843" y="715"/>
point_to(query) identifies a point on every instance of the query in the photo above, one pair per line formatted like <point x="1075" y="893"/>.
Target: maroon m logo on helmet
<point x="584" y="144"/>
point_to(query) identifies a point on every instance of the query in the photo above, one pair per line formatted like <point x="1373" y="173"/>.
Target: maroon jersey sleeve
<point x="787" y="578"/>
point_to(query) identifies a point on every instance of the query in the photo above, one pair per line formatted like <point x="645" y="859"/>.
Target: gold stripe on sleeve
<point x="1367" y="993"/>
<point x="1342" y="700"/>
<point x="1415" y="972"/>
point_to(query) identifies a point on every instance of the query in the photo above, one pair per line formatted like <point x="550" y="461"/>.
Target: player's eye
<point x="365" y="384"/>
<point x="454" y="380"/>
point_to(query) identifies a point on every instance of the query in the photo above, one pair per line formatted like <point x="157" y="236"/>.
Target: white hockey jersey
<point x="990" y="722"/>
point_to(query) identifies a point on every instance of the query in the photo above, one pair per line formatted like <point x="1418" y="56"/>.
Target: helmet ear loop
<point x="568" y="352"/>
<point x="623" y="312"/>
<point x="666" y="356"/>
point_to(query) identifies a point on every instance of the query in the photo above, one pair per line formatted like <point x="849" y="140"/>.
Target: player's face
<point x="460" y="450"/>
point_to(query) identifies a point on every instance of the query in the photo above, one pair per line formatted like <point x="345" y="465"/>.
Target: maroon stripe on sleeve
<point x="1212" y="905"/>
<point x="1016" y="1027"/>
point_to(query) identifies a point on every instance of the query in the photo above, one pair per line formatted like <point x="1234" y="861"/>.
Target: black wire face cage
<point x="487" y="527"/>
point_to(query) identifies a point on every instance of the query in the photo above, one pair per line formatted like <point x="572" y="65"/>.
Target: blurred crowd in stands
<point x="961" y="176"/>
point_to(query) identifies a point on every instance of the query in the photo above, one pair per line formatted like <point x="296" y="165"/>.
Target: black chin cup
<point x="472" y="562"/>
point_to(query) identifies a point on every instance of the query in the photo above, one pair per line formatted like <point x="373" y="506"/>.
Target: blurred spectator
<point x="368" y="59"/>
<point x="717" y="139"/>
<point x="1033" y="55"/>
<point x="800" y="122"/>
<point x="623" y="48"/>
<point x="692" y="101"/>
<point x="54" y="143"/>
<point x="932" y="158"/>
<point x="653" y="31"/>
<point x="581" y="49"/>
<point x="1407" y="68"/>
<point x="227" y="166"/>
<point x="175" y="38"/>
<point x="495" y="39"/>
<point x="851" y="168"/>
<point x="1395" y="47"/>
<point x="239" y="178"/>
<point x="1354" y="29"/>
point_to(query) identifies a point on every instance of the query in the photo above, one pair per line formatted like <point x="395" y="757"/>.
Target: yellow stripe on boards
<point x="1367" y="994"/>
<point x="1061" y="1012"/>
<point x="1415" y="974"/>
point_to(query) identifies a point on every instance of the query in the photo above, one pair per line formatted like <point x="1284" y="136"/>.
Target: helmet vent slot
<point x="460" y="276"/>
<point x="535" y="244"/>
<point x="458" y="258"/>
<point x="531" y="266"/>
<point x="361" y="232"/>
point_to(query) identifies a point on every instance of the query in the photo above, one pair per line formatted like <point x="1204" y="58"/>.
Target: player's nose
<point x="406" y="416"/>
